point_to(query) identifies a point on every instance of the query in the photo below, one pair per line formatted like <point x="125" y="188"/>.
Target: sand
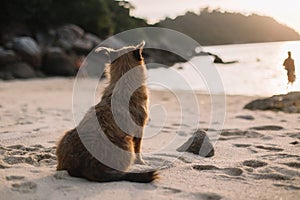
<point x="257" y="153"/>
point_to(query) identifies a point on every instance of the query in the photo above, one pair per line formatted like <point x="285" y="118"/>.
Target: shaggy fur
<point x="108" y="139"/>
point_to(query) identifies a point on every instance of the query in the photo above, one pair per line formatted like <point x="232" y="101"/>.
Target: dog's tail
<point x="141" y="177"/>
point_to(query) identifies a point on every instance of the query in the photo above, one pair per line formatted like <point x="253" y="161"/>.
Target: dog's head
<point x="129" y="53"/>
<point x="122" y="60"/>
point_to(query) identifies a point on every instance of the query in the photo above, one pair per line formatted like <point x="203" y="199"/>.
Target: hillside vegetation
<point x="101" y="17"/>
<point x="107" y="17"/>
<point x="212" y="28"/>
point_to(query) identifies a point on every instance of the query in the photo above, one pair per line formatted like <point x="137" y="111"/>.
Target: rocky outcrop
<point x="56" y="52"/>
<point x="7" y="57"/>
<point x="28" y="50"/>
<point x="161" y="57"/>
<point x="73" y="38"/>
<point x="289" y="103"/>
<point x="58" y="63"/>
<point x="59" y="51"/>
<point x="11" y="66"/>
<point x="21" y="70"/>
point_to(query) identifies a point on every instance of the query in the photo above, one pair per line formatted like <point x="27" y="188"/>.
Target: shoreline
<point x="58" y="78"/>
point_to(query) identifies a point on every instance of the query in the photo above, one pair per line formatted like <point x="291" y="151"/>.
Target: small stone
<point x="198" y="144"/>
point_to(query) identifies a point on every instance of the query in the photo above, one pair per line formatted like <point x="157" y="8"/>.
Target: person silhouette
<point x="289" y="66"/>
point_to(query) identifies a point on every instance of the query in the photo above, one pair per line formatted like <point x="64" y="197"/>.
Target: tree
<point x="101" y="17"/>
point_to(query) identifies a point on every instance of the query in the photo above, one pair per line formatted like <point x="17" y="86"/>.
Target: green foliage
<point x="92" y="15"/>
<point x="101" y="17"/>
<point x="24" y="11"/>
<point x="121" y="18"/>
<point x="215" y="27"/>
<point x="107" y="17"/>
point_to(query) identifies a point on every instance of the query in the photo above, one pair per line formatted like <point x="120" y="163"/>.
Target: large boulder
<point x="72" y="38"/>
<point x="198" y="144"/>
<point x="7" y="57"/>
<point x="6" y="75"/>
<point x="46" y="38"/>
<point x="85" y="44"/>
<point x="82" y="46"/>
<point x="28" y="50"/>
<point x="11" y="66"/>
<point x="22" y="70"/>
<point x="57" y="63"/>
<point x="66" y="35"/>
<point x="17" y="70"/>
<point x="289" y="103"/>
<point x="72" y="29"/>
<point x="95" y="40"/>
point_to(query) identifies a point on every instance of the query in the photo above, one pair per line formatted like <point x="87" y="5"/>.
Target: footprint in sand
<point x="237" y="133"/>
<point x="288" y="187"/>
<point x="14" y="177"/>
<point x="25" y="187"/>
<point x="3" y="165"/>
<point x="233" y="171"/>
<point x="207" y="196"/>
<point x="254" y="163"/>
<point x="272" y="172"/>
<point x="272" y="176"/>
<point x="294" y="135"/>
<point x="229" y="171"/>
<point x="269" y="148"/>
<point x="246" y="146"/>
<point x="205" y="167"/>
<point x="286" y="171"/>
<point x="246" y="117"/>
<point x="279" y="156"/>
<point x="179" y="125"/>
<point x="177" y="193"/>
<point x="181" y="133"/>
<point x="294" y="142"/>
<point x="169" y="190"/>
<point x="267" y="128"/>
<point x="292" y="164"/>
<point x="33" y="155"/>
<point x="242" y="145"/>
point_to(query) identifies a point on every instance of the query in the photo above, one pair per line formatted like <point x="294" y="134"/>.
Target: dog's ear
<point x="138" y="51"/>
<point x="141" y="45"/>
<point x="104" y="52"/>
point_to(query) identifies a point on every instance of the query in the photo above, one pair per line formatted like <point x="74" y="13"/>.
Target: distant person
<point x="289" y="66"/>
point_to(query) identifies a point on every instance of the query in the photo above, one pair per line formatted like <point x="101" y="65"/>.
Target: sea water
<point x="259" y="70"/>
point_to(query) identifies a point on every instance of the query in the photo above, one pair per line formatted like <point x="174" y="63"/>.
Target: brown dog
<point x="108" y="139"/>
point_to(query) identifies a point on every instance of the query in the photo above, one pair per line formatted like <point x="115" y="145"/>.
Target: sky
<point x="284" y="11"/>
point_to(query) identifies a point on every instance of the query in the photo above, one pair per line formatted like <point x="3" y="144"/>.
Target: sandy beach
<point x="257" y="153"/>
